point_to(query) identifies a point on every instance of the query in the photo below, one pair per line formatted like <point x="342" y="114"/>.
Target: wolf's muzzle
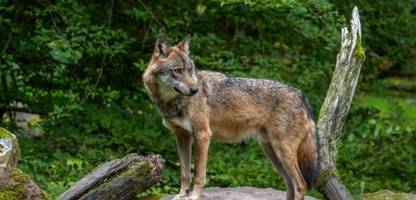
<point x="190" y="92"/>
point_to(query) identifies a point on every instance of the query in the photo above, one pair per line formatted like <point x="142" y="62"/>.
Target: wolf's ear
<point x="162" y="47"/>
<point x="184" y="44"/>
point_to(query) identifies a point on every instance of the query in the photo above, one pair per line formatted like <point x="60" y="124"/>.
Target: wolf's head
<point x="173" y="68"/>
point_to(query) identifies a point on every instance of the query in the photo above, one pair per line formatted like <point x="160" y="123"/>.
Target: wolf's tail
<point x="308" y="159"/>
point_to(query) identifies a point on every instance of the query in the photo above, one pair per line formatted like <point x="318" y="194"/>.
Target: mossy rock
<point x="9" y="149"/>
<point x="16" y="185"/>
<point x="389" y="195"/>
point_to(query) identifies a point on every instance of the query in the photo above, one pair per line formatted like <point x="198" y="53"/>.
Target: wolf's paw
<point x="193" y="197"/>
<point x="180" y="197"/>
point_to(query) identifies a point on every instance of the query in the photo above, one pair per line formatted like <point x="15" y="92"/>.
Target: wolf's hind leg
<point x="287" y="155"/>
<point x="268" y="150"/>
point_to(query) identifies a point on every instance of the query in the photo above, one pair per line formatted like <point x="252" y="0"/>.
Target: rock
<point x="29" y="123"/>
<point x="389" y="195"/>
<point x="14" y="184"/>
<point x="241" y="193"/>
<point x="9" y="149"/>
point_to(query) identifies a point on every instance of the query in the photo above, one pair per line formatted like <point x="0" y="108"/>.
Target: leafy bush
<point x="377" y="153"/>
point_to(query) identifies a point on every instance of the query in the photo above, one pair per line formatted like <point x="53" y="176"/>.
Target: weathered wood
<point x="118" y="179"/>
<point x="336" y="105"/>
<point x="9" y="149"/>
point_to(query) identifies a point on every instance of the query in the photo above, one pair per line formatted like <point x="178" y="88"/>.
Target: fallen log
<point x="118" y="179"/>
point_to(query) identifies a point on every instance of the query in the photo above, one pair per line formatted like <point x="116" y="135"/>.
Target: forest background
<point x="77" y="65"/>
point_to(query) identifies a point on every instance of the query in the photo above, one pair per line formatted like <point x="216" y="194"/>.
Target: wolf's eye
<point x="177" y="70"/>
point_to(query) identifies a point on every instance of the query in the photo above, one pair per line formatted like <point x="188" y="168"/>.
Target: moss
<point x="359" y="50"/>
<point x="20" y="179"/>
<point x="5" y="133"/>
<point x="6" y="194"/>
<point x="137" y="172"/>
<point x="323" y="177"/>
<point x="19" y="176"/>
<point x="16" y="186"/>
<point x="335" y="172"/>
<point x="388" y="195"/>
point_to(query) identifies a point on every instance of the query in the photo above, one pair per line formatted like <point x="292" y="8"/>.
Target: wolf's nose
<point x="193" y="90"/>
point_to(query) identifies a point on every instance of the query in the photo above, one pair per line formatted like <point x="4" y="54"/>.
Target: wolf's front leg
<point x="202" y="144"/>
<point x="184" y="145"/>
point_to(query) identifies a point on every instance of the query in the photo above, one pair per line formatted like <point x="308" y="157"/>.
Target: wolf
<point x="202" y="105"/>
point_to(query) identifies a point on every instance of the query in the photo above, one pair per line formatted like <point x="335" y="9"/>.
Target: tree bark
<point x="118" y="179"/>
<point x="336" y="105"/>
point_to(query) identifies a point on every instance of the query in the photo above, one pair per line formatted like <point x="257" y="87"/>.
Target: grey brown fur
<point x="205" y="105"/>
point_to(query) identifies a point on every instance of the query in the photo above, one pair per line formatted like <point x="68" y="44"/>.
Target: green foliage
<point x="79" y="64"/>
<point x="388" y="33"/>
<point x="375" y="150"/>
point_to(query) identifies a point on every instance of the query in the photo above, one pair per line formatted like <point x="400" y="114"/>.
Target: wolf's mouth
<point x="180" y="92"/>
<point x="177" y="90"/>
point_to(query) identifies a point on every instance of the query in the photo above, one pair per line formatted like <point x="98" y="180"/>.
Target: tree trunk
<point x="118" y="179"/>
<point x="336" y="105"/>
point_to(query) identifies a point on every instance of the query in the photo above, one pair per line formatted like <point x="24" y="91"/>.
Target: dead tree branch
<point x="118" y="179"/>
<point x="336" y="106"/>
